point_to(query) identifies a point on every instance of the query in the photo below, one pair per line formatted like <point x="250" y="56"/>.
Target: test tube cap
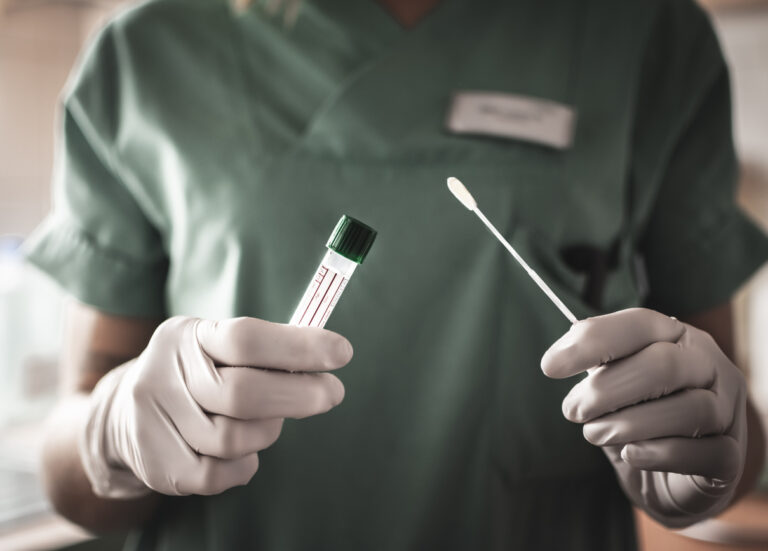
<point x="352" y="239"/>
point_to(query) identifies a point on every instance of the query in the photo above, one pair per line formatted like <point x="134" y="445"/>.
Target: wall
<point x="39" y="42"/>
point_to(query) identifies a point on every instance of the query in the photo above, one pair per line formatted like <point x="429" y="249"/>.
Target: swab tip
<point x="461" y="193"/>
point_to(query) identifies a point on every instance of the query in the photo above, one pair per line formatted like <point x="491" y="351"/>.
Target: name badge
<point x="511" y="116"/>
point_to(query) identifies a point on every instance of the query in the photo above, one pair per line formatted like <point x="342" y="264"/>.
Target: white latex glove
<point x="665" y="404"/>
<point x="174" y="422"/>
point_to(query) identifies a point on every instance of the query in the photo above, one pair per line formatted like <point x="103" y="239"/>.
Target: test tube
<point x="348" y="246"/>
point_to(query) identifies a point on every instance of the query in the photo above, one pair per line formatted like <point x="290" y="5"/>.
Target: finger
<point x="247" y="393"/>
<point x="689" y="413"/>
<point x="258" y="343"/>
<point x="599" y="340"/>
<point x="712" y="457"/>
<point x="212" y="476"/>
<point x="658" y="370"/>
<point x="228" y="438"/>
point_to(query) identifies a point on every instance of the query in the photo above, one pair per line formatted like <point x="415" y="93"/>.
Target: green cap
<point x="351" y="239"/>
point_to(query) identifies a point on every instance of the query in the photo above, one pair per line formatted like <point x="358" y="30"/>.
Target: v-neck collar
<point x="364" y="23"/>
<point x="425" y="16"/>
<point x="367" y="22"/>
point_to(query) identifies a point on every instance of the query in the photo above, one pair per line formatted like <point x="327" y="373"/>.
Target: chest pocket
<point x="598" y="277"/>
<point x="529" y="436"/>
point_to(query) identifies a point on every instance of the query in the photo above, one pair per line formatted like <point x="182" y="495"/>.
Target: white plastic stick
<point x="462" y="194"/>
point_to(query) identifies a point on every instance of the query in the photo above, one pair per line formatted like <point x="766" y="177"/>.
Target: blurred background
<point x="39" y="42"/>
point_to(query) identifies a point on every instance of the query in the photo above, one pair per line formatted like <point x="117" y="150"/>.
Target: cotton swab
<point x="465" y="198"/>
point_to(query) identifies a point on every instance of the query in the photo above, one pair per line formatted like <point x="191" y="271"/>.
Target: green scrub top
<point x="206" y="155"/>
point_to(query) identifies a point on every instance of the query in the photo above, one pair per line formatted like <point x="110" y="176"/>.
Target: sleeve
<point x="698" y="246"/>
<point x="97" y="242"/>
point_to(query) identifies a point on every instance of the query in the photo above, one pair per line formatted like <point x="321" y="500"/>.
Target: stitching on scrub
<point x="329" y="103"/>
<point x="102" y="149"/>
<point x="66" y="230"/>
<point x="237" y="51"/>
<point x="106" y="154"/>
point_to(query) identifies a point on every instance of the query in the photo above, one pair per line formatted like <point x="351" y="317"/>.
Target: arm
<point x="718" y="322"/>
<point x="94" y="344"/>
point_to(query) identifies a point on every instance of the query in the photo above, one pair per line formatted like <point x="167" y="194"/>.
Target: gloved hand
<point x="665" y="404"/>
<point x="174" y="422"/>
